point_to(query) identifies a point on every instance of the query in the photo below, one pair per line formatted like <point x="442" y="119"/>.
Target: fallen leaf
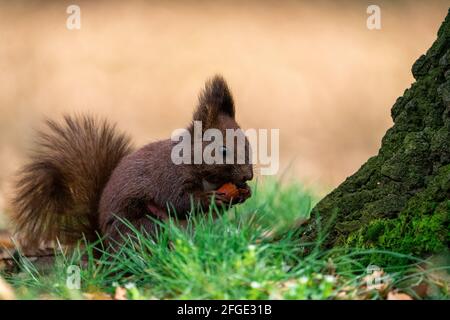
<point x="398" y="296"/>
<point x="6" y="292"/>
<point x="97" y="296"/>
<point x="120" y="294"/>
<point x="421" y="289"/>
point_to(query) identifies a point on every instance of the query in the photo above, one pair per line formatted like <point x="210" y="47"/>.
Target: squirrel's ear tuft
<point x="214" y="100"/>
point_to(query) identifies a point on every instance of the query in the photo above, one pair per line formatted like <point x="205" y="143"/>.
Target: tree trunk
<point x="400" y="199"/>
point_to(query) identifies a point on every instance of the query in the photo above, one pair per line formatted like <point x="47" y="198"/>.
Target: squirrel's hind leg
<point x="118" y="232"/>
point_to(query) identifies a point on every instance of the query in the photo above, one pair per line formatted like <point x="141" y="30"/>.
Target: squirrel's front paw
<point x="244" y="192"/>
<point x="207" y="198"/>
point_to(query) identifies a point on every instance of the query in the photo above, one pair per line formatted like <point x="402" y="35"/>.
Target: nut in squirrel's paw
<point x="229" y="190"/>
<point x="234" y="193"/>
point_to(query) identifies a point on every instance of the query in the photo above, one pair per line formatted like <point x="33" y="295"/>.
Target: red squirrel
<point x="84" y="178"/>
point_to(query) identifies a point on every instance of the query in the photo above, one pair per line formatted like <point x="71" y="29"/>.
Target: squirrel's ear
<point x="215" y="99"/>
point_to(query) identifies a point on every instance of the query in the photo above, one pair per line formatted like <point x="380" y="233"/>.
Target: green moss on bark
<point x="400" y="199"/>
<point x="423" y="226"/>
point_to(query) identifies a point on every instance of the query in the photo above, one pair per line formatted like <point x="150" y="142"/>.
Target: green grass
<point x="250" y="252"/>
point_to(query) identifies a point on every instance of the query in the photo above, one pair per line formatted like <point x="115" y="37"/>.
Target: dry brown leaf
<point x="351" y="293"/>
<point x="398" y="296"/>
<point x="6" y="292"/>
<point x="97" y="296"/>
<point x="120" y="294"/>
<point x="421" y="289"/>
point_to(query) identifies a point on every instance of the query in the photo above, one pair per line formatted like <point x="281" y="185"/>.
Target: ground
<point x="251" y="252"/>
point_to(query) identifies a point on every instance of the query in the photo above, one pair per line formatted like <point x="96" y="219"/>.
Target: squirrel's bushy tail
<point x="58" y="191"/>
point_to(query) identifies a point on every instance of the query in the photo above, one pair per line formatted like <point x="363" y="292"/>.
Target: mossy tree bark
<point x="400" y="199"/>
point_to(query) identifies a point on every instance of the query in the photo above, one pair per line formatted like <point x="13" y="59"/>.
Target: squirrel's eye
<point x="223" y="150"/>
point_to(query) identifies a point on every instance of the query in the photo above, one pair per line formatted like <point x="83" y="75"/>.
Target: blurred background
<point x="312" y="69"/>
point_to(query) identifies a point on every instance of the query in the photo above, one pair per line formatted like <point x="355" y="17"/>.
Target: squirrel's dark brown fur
<point x="84" y="177"/>
<point x="58" y="192"/>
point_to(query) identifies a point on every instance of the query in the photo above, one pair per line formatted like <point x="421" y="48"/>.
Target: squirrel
<point x="84" y="178"/>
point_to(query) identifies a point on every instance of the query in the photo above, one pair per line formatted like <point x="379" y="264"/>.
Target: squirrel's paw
<point x="244" y="193"/>
<point x="208" y="198"/>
